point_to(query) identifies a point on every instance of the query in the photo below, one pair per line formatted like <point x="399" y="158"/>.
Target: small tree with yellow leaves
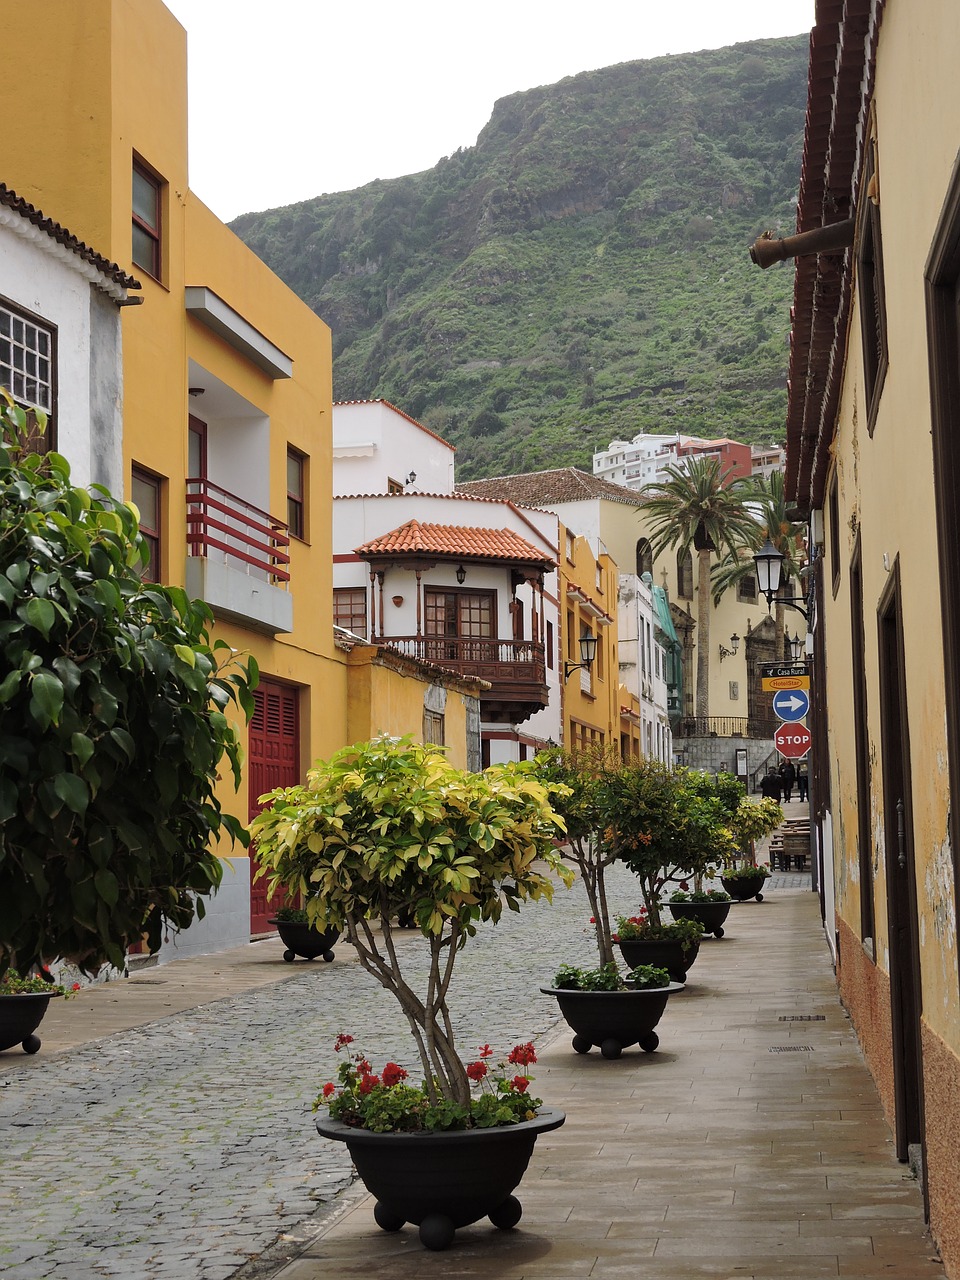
<point x="390" y="827"/>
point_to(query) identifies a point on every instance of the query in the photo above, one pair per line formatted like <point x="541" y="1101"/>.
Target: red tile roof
<point x="539" y="488"/>
<point x="388" y="405"/>
<point x="453" y="542"/>
<point x="10" y="200"/>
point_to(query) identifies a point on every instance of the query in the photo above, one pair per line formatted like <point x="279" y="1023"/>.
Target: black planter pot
<point x="665" y="953"/>
<point x="744" y="887"/>
<point x="302" y="939"/>
<point x="442" y="1181"/>
<point x="710" y="914"/>
<point x="613" y="1020"/>
<point x="19" y="1018"/>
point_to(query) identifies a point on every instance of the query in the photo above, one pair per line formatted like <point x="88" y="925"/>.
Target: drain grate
<point x="791" y="1048"/>
<point x="802" y="1017"/>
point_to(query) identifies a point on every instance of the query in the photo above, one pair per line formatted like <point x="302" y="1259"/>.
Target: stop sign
<point x="792" y="740"/>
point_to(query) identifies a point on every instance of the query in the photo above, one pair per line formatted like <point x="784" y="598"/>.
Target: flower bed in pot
<point x="23" y="1005"/>
<point x="610" y="1012"/>
<point x="709" y="908"/>
<point x="672" y="946"/>
<point x="745" y="882"/>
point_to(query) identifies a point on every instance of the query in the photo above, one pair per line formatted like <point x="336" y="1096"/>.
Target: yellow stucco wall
<point x="591" y="709"/>
<point x="385" y="699"/>
<point x="885" y="491"/>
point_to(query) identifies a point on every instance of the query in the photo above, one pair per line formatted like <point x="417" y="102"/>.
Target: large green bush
<point x="112" y="726"/>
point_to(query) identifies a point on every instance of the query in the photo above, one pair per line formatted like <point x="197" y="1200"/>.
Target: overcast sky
<point x="294" y="98"/>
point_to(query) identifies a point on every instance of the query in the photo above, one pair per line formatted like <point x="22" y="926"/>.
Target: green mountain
<point x="581" y="273"/>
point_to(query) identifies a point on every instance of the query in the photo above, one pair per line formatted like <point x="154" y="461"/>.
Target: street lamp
<point x="796" y="646"/>
<point x="769" y="562"/>
<point x="588" y="652"/>
<point x="732" y="651"/>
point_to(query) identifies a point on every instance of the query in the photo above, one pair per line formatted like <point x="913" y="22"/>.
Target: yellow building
<point x="588" y="612"/>
<point x="873" y="456"/>
<point x="226" y="392"/>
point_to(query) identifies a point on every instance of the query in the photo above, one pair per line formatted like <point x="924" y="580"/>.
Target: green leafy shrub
<point x="112" y="726"/>
<point x="390" y="829"/>
<point x="609" y="978"/>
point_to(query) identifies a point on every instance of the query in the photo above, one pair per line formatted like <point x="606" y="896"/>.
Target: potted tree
<point x="603" y="1007"/>
<point x="709" y="907"/>
<point x="664" y="829"/>
<point x="389" y="828"/>
<point x="753" y="819"/>
<point x="112" y="709"/>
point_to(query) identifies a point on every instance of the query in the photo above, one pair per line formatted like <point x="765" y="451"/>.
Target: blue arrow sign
<point x="791" y="704"/>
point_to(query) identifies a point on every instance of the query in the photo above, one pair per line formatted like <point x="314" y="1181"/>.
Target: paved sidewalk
<point x="751" y="1144"/>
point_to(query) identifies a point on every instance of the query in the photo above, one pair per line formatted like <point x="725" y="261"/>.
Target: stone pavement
<point x="165" y="1130"/>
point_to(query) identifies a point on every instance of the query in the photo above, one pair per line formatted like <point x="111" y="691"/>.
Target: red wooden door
<point x="273" y="760"/>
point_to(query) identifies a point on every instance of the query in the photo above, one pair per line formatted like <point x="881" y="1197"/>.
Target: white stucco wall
<point x="372" y="443"/>
<point x="89" y="375"/>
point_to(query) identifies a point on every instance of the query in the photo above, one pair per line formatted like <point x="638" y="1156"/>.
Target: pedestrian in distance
<point x="803" y="782"/>
<point x="770" y="785"/>
<point x="788" y="776"/>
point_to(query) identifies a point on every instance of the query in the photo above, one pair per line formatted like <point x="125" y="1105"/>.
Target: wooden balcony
<point x="516" y="670"/>
<point x="237" y="558"/>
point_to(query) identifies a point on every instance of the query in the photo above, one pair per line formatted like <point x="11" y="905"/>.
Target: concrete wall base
<point x="226" y="924"/>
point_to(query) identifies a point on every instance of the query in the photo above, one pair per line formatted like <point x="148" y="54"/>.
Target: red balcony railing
<point x="218" y="522"/>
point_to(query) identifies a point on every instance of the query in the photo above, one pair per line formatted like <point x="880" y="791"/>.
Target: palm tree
<point x="700" y="506"/>
<point x="768" y="502"/>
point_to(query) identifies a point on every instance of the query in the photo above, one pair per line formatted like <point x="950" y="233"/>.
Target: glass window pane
<point x="145" y="200"/>
<point x="145" y="494"/>
<point x="144" y="250"/>
<point x="294" y="475"/>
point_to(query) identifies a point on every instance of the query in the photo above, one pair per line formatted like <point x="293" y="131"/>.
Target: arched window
<point x="644" y="557"/>
<point x="685" y="575"/>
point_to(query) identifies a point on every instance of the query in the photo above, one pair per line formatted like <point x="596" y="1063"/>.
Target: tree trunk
<point x="703" y="635"/>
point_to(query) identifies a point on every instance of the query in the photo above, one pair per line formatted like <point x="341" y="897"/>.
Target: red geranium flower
<point x="368" y="1082"/>
<point x="363" y="1066"/>
<point x="523" y="1055"/>
<point x="476" y="1070"/>
<point x="520" y="1083"/>
<point x="485" y="1051"/>
<point x="329" y="1089"/>
<point x="392" y="1075"/>
<point x="341" y="1042"/>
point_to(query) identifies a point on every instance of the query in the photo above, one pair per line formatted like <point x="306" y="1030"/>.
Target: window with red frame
<point x="145" y="489"/>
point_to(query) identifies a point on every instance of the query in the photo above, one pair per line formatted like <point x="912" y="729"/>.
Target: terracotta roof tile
<point x="453" y="542"/>
<point x="538" y="488"/>
<point x="10" y="200"/>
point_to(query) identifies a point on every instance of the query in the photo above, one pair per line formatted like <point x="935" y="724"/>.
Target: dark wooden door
<point x="273" y="760"/>
<point x="902" y="926"/>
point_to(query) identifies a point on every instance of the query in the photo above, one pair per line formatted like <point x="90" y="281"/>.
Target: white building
<point x="643" y="460"/>
<point x="60" y="338"/>
<point x="469" y="584"/>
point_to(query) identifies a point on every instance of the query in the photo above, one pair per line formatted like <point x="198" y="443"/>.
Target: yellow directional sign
<point x="771" y="684"/>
